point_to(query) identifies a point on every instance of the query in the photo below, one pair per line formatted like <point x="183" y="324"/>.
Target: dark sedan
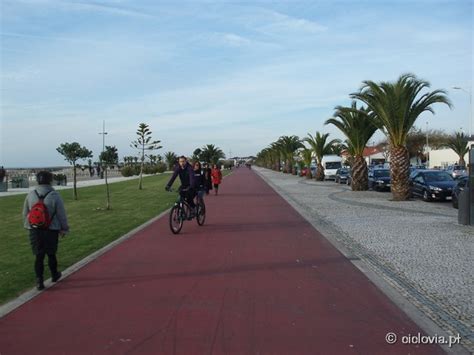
<point x="432" y="185"/>
<point x="461" y="184"/>
<point x="341" y="175"/>
<point x="379" y="179"/>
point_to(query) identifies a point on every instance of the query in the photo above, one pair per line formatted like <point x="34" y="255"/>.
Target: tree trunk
<point x="320" y="172"/>
<point x="107" y="189"/>
<point x="399" y="172"/>
<point x="360" y="179"/>
<point x="462" y="162"/>
<point x="140" y="185"/>
<point x="74" y="180"/>
<point x="308" y="173"/>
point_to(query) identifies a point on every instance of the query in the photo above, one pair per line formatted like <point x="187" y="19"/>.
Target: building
<point x="373" y="155"/>
<point x="442" y="158"/>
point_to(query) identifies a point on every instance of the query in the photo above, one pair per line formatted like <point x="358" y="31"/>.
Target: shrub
<point x="161" y="167"/>
<point x="128" y="171"/>
<point x="59" y="177"/>
<point x="149" y="169"/>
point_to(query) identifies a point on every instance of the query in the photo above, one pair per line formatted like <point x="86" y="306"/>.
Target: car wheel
<point x="426" y="196"/>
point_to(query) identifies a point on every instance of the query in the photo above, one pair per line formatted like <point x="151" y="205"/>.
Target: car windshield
<point x="458" y="168"/>
<point x="333" y="165"/>
<point x="343" y="171"/>
<point x="437" y="176"/>
<point x="382" y="173"/>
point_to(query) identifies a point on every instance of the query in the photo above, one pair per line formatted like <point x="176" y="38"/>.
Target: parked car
<point x="341" y="175"/>
<point x="379" y="179"/>
<point x="456" y="171"/>
<point x="349" y="178"/>
<point x="461" y="184"/>
<point x="432" y="185"/>
<point x="303" y="171"/>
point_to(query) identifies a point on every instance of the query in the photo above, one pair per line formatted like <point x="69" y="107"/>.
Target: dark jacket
<point x="199" y="179"/>
<point x="186" y="176"/>
<point x="207" y="178"/>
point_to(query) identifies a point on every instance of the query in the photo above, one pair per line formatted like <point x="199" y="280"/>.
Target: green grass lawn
<point x="92" y="227"/>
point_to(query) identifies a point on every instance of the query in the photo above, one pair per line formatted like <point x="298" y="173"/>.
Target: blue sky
<point x="236" y="74"/>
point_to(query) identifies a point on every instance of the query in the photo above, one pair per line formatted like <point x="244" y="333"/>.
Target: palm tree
<point x="307" y="156"/>
<point x="170" y="158"/>
<point x="289" y="145"/>
<point x="459" y="143"/>
<point x="338" y="148"/>
<point x="153" y="158"/>
<point x="358" y="127"/>
<point x="211" y="154"/>
<point x="277" y="151"/>
<point x="197" y="154"/>
<point x="320" y="147"/>
<point x="395" y="107"/>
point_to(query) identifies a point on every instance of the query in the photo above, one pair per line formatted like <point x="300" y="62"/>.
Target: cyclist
<point x="188" y="184"/>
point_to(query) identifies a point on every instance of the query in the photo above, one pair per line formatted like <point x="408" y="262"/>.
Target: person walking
<point x="45" y="218"/>
<point x="207" y="177"/>
<point x="216" y="176"/>
<point x="199" y="180"/>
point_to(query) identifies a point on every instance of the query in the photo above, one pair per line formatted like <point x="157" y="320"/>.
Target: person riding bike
<point x="188" y="183"/>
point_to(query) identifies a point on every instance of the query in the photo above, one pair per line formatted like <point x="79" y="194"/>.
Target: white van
<point x="330" y="164"/>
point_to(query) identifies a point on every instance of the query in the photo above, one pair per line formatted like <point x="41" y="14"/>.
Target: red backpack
<point x="38" y="217"/>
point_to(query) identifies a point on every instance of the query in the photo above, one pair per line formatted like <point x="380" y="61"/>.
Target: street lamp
<point x="470" y="106"/>
<point x="103" y="133"/>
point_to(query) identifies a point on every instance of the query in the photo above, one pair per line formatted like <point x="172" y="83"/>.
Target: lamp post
<point x="103" y="133"/>
<point x="470" y="106"/>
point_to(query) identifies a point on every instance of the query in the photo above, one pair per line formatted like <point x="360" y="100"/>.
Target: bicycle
<point x="181" y="212"/>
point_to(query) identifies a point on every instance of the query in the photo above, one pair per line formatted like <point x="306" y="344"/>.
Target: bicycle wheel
<point x="176" y="219"/>
<point x="201" y="214"/>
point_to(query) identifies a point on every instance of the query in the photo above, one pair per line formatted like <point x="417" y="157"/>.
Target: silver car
<point x="456" y="171"/>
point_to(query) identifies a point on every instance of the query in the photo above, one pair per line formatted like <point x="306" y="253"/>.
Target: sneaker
<point x="39" y="284"/>
<point x="56" y="276"/>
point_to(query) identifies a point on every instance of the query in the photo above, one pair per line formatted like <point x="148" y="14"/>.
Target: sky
<point x="237" y="74"/>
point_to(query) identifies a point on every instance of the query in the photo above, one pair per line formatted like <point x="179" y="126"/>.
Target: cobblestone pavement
<point x="418" y="247"/>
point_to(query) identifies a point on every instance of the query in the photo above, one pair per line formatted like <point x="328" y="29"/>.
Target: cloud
<point x="284" y="24"/>
<point x="105" y="7"/>
<point x="274" y="23"/>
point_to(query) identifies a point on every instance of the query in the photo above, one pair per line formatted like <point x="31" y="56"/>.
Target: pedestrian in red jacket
<point x="216" y="176"/>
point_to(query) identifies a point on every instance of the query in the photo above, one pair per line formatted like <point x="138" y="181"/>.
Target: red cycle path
<point x="256" y="279"/>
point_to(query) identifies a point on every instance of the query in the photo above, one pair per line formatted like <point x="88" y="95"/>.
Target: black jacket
<point x="186" y="176"/>
<point x="207" y="178"/>
<point x="199" y="180"/>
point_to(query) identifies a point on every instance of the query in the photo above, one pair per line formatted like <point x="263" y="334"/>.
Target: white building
<point x="445" y="157"/>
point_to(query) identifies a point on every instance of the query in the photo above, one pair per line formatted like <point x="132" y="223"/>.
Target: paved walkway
<point x="256" y="279"/>
<point x="80" y="183"/>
